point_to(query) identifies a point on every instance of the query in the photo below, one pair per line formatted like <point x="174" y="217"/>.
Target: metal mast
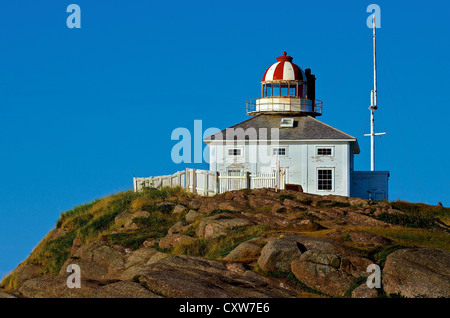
<point x="373" y="105"/>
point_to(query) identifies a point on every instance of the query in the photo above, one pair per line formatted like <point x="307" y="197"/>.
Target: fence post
<point x="194" y="181"/>
<point x="205" y="180"/>
<point x="248" y="180"/>
<point x="216" y="182"/>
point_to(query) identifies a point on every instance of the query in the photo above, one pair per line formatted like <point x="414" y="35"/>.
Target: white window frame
<point x="325" y="147"/>
<point x="332" y="179"/>
<point x="273" y="153"/>
<point x="241" y="150"/>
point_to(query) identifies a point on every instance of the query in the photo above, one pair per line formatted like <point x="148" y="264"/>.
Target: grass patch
<point x="55" y="253"/>
<point x="97" y="219"/>
<point x="282" y="197"/>
<point x="220" y="247"/>
<point x="414" y="220"/>
<point x="129" y="240"/>
<point x="381" y="256"/>
<point x="409" y="207"/>
<point x="10" y="282"/>
<point x="412" y="236"/>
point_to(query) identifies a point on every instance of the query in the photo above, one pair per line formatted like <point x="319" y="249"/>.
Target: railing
<point x="205" y="182"/>
<point x="284" y="104"/>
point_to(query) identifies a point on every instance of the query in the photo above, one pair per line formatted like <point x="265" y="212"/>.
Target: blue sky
<point x="81" y="110"/>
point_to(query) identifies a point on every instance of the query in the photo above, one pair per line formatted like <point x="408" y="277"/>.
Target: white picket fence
<point x="207" y="183"/>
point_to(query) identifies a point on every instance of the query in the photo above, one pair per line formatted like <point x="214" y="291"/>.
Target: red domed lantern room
<point x="286" y="89"/>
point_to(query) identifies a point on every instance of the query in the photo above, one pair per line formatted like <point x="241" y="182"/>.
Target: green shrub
<point x="77" y="211"/>
<point x="286" y="196"/>
<point x="420" y="208"/>
<point x="132" y="240"/>
<point x="383" y="252"/>
<point x="414" y="220"/>
<point x="56" y="252"/>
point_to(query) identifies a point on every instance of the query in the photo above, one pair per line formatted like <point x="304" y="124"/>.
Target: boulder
<point x="157" y="257"/>
<point x="179" y="208"/>
<point x="193" y="216"/>
<point x="141" y="214"/>
<point x="277" y="255"/>
<point x="363" y="291"/>
<point x="97" y="261"/>
<point x="209" y="204"/>
<point x="237" y="268"/>
<point x="140" y="256"/>
<point x="250" y="249"/>
<point x="165" y="206"/>
<point x="179" y="227"/>
<point x="124" y="289"/>
<point x="313" y="243"/>
<point x="188" y="277"/>
<point x="27" y="271"/>
<point x="417" y="272"/>
<point x="256" y="201"/>
<point x="56" y="287"/>
<point x="322" y="271"/>
<point x="76" y="244"/>
<point x="216" y="226"/>
<point x="368" y="239"/>
<point x="89" y="270"/>
<point x="358" y="219"/>
<point x="173" y="240"/>
<point x="126" y="219"/>
<point x="135" y="269"/>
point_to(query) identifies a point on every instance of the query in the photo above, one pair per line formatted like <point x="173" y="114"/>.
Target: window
<point x="287" y="122"/>
<point x="276" y="89"/>
<point x="280" y="151"/>
<point x="292" y="91"/>
<point x="324" y="151"/>
<point x="268" y="90"/>
<point x="325" y="179"/>
<point x="284" y="89"/>
<point x="234" y="152"/>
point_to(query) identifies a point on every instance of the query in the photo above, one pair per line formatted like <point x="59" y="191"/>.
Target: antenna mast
<point x="373" y="105"/>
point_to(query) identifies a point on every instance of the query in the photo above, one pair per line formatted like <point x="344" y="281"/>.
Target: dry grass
<point x="411" y="236"/>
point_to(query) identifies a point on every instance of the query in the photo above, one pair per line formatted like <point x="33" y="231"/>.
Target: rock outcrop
<point x="417" y="272"/>
<point x="247" y="244"/>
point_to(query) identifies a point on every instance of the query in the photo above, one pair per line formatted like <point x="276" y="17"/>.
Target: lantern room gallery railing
<point x="284" y="105"/>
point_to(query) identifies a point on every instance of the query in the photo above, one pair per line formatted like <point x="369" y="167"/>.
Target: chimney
<point x="311" y="85"/>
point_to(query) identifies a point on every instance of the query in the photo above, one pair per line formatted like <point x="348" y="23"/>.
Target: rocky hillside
<point x="248" y="243"/>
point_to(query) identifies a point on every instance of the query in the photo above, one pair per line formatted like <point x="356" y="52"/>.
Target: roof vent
<point x="287" y="122"/>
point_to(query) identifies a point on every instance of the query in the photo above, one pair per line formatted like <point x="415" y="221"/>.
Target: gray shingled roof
<point x="305" y="128"/>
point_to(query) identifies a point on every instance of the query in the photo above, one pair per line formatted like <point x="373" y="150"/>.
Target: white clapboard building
<point x="284" y="138"/>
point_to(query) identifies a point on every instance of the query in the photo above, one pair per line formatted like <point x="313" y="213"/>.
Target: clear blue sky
<point x="81" y="110"/>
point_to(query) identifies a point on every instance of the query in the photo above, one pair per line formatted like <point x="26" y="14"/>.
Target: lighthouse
<point x="286" y="89"/>
<point x="283" y="137"/>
